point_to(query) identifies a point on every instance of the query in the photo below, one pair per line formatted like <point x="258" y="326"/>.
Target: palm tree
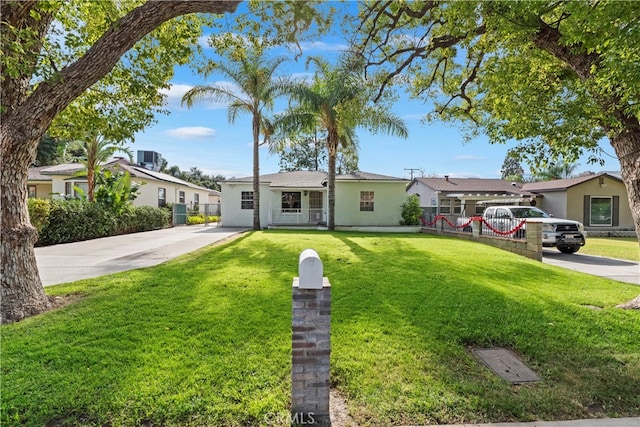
<point x="554" y="171"/>
<point x="337" y="101"/>
<point x="97" y="151"/>
<point x="254" y="93"/>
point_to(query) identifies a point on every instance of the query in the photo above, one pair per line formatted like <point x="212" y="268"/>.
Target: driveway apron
<point x="92" y="258"/>
<point x="615" y="269"/>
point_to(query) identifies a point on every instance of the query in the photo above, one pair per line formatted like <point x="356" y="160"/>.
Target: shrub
<point x="411" y="210"/>
<point x="199" y="219"/>
<point x="39" y="210"/>
<point x="76" y="220"/>
<point x="150" y="218"/>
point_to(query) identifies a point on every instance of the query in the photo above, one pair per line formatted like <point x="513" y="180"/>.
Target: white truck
<point x="565" y="234"/>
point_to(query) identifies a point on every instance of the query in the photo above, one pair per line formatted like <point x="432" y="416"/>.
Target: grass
<point x="613" y="247"/>
<point x="205" y="340"/>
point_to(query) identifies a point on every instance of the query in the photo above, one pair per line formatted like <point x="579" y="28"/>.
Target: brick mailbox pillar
<point x="310" y="341"/>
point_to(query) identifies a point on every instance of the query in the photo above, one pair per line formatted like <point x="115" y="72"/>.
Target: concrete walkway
<point x="616" y="269"/>
<point x="92" y="258"/>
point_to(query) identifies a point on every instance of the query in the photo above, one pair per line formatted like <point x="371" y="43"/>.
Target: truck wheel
<point x="521" y="234"/>
<point x="568" y="249"/>
<point x="467" y="229"/>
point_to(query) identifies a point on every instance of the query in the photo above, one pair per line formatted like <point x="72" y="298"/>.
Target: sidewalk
<point x="599" y="422"/>
<point x="69" y="262"/>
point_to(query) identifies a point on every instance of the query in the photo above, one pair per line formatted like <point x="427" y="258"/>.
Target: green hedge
<point x="39" y="210"/>
<point x="76" y="220"/>
<point x="199" y="219"/>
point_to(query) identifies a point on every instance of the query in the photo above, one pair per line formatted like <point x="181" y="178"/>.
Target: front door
<point x="315" y="207"/>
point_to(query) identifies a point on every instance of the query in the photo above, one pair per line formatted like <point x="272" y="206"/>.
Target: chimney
<point x="446" y="178"/>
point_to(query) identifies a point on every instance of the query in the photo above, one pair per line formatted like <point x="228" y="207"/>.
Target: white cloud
<point x="203" y="41"/>
<point x="194" y="132"/>
<point x="176" y="91"/>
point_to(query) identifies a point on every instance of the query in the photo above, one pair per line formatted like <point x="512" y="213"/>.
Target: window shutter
<point x="615" y="211"/>
<point x="586" y="213"/>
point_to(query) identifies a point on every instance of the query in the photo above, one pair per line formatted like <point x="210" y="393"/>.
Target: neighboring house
<point x="300" y="198"/>
<point x="157" y="188"/>
<point x="215" y="197"/>
<point x="597" y="200"/>
<point x="467" y="196"/>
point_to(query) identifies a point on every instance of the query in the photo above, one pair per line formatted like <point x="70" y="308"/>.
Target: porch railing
<point x="296" y="216"/>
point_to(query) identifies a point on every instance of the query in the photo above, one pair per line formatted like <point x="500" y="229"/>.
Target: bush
<point x="199" y="219"/>
<point x="76" y="220"/>
<point x="149" y="218"/>
<point x="411" y="210"/>
<point x="39" y="210"/>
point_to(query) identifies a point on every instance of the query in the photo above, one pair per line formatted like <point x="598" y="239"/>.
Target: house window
<point x="479" y="209"/>
<point x="445" y="206"/>
<point x="162" y="197"/>
<point x="246" y="200"/>
<point x="457" y="206"/>
<point x="196" y="199"/>
<point x="181" y="197"/>
<point x="32" y="191"/>
<point x="366" y="201"/>
<point x="70" y="191"/>
<point x="601" y="211"/>
<point x="291" y="201"/>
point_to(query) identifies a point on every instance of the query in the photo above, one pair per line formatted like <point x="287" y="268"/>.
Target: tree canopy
<point x="557" y="76"/>
<point x="44" y="70"/>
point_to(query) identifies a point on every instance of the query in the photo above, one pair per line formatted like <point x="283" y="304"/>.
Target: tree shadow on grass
<point x="208" y="336"/>
<point x="431" y="323"/>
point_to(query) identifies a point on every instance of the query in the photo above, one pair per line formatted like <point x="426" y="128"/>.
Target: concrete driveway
<point x="92" y="258"/>
<point x="616" y="269"/>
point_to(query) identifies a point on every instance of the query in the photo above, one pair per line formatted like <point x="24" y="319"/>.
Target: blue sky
<point x="202" y="137"/>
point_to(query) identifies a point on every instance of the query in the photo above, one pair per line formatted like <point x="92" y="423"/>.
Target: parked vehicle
<point x="565" y="234"/>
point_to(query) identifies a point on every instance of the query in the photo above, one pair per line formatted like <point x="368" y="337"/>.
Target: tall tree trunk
<point x="22" y="291"/>
<point x="625" y="136"/>
<point x="626" y="144"/>
<point x="24" y="120"/>
<point x="256" y="171"/>
<point x="332" y="148"/>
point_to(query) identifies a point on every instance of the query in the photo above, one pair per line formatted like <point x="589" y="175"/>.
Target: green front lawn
<point x="205" y="340"/>
<point x="613" y="247"/>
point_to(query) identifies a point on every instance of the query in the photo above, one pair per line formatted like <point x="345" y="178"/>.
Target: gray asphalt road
<point x="92" y="258"/>
<point x="616" y="269"/>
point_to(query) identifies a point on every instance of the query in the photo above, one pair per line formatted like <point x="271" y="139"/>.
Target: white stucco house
<point x="363" y="200"/>
<point x="157" y="189"/>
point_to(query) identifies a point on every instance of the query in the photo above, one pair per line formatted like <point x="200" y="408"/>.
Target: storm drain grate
<point x="506" y="364"/>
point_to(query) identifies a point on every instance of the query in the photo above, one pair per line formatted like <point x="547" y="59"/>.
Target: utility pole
<point x="412" y="170"/>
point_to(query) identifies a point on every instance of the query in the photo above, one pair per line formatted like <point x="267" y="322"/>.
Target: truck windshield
<point x="528" y="212"/>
